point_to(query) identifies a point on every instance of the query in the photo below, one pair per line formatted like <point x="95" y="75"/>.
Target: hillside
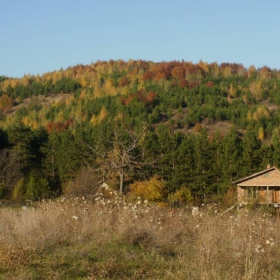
<point x="134" y="121"/>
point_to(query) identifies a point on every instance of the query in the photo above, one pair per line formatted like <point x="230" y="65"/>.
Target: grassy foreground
<point x="107" y="238"/>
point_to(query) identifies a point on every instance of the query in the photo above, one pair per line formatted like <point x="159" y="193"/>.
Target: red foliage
<point x="124" y="82"/>
<point x="58" y="126"/>
<point x="141" y="96"/>
<point x="183" y="83"/>
<point x="174" y="69"/>
<point x="150" y="97"/>
<point x="210" y="84"/>
<point x="212" y="136"/>
<point x="126" y="100"/>
<point x="149" y="75"/>
<point x="234" y="67"/>
<point x="192" y="84"/>
<point x="81" y="69"/>
<point x="178" y="72"/>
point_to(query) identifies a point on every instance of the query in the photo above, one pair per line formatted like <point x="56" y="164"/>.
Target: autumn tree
<point x="6" y="103"/>
<point x="120" y="154"/>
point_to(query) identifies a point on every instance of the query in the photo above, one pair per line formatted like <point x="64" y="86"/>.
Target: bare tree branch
<point x="122" y="156"/>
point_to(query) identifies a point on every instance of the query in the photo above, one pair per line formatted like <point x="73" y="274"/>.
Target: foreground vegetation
<point x="105" y="237"/>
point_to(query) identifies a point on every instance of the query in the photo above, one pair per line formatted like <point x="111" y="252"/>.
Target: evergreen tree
<point x="251" y="152"/>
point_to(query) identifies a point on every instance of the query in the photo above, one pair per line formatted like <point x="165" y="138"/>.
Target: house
<point x="262" y="187"/>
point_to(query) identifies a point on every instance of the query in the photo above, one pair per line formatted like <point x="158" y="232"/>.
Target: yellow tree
<point x="261" y="133"/>
<point x="152" y="189"/>
<point x="256" y="89"/>
<point x="6" y="103"/>
<point x="251" y="71"/>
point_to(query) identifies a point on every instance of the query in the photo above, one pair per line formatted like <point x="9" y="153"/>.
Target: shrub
<point x="19" y="190"/>
<point x="152" y="189"/>
<point x="180" y="197"/>
<point x="85" y="183"/>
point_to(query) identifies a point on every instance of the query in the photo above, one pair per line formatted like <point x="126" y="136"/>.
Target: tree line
<point x="40" y="163"/>
<point x="111" y="104"/>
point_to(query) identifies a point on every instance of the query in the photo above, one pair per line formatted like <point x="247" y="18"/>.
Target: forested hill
<point x="169" y="131"/>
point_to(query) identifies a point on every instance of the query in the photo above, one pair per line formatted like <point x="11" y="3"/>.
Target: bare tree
<point x="121" y="154"/>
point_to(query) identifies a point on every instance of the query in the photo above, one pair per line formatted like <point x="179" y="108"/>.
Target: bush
<point x="19" y="190"/>
<point x="180" y="197"/>
<point x="152" y="190"/>
<point x="85" y="183"/>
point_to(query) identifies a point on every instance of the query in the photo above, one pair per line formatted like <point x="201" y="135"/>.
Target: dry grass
<point x="107" y="238"/>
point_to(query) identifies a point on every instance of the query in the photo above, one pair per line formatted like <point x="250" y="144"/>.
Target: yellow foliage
<point x="256" y="89"/>
<point x="261" y="111"/>
<point x="25" y="80"/>
<point x="119" y="116"/>
<point x="215" y="69"/>
<point x="183" y="195"/>
<point x="98" y="91"/>
<point x="141" y="85"/>
<point x="249" y="115"/>
<point x="251" y="71"/>
<point x="69" y="100"/>
<point x="6" y="103"/>
<point x="230" y="196"/>
<point x="227" y="72"/>
<point x="265" y="73"/>
<point x="204" y="65"/>
<point x="197" y="128"/>
<point x="9" y="82"/>
<point x="152" y="190"/>
<point x="83" y="94"/>
<point x="84" y="81"/>
<point x="261" y="133"/>
<point x="18" y="192"/>
<point x="57" y="75"/>
<point x="59" y="117"/>
<point x="108" y="85"/>
<point x="98" y="119"/>
<point x="25" y="120"/>
<point x="232" y="91"/>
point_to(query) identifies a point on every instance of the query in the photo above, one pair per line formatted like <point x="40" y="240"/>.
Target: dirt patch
<point x="41" y="100"/>
<point x="271" y="107"/>
<point x="223" y="127"/>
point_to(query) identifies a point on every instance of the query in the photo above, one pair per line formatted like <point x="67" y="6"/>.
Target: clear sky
<point x="39" y="36"/>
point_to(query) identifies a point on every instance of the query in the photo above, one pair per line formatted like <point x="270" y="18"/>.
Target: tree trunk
<point x="121" y="173"/>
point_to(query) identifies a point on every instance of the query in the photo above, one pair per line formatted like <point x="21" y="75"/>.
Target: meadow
<point x="106" y="237"/>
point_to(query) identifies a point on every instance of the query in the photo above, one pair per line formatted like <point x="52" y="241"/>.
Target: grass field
<point x="108" y="238"/>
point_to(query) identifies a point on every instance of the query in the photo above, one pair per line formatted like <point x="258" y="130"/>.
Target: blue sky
<point x="39" y="36"/>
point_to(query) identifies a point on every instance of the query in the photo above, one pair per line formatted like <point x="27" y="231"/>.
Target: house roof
<point x="269" y="177"/>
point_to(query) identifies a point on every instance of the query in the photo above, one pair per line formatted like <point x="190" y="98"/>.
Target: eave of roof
<point x="255" y="175"/>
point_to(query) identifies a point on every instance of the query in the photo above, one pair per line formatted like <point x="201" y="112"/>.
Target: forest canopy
<point x="194" y="128"/>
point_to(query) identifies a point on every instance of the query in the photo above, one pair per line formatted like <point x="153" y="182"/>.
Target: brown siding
<point x="276" y="196"/>
<point x="240" y="194"/>
<point x="271" y="178"/>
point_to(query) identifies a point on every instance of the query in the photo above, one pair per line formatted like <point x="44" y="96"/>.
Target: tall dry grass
<point x="108" y="238"/>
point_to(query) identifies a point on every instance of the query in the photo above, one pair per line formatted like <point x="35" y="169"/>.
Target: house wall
<point x="262" y="195"/>
<point x="241" y="195"/>
<point x="270" y="178"/>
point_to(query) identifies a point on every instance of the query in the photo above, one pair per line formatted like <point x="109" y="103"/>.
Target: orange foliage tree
<point x="6" y="103"/>
<point x="152" y="189"/>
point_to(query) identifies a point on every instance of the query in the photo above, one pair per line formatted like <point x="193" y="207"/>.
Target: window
<point x="252" y="193"/>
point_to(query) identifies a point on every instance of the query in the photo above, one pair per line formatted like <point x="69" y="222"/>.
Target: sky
<point x="40" y="36"/>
